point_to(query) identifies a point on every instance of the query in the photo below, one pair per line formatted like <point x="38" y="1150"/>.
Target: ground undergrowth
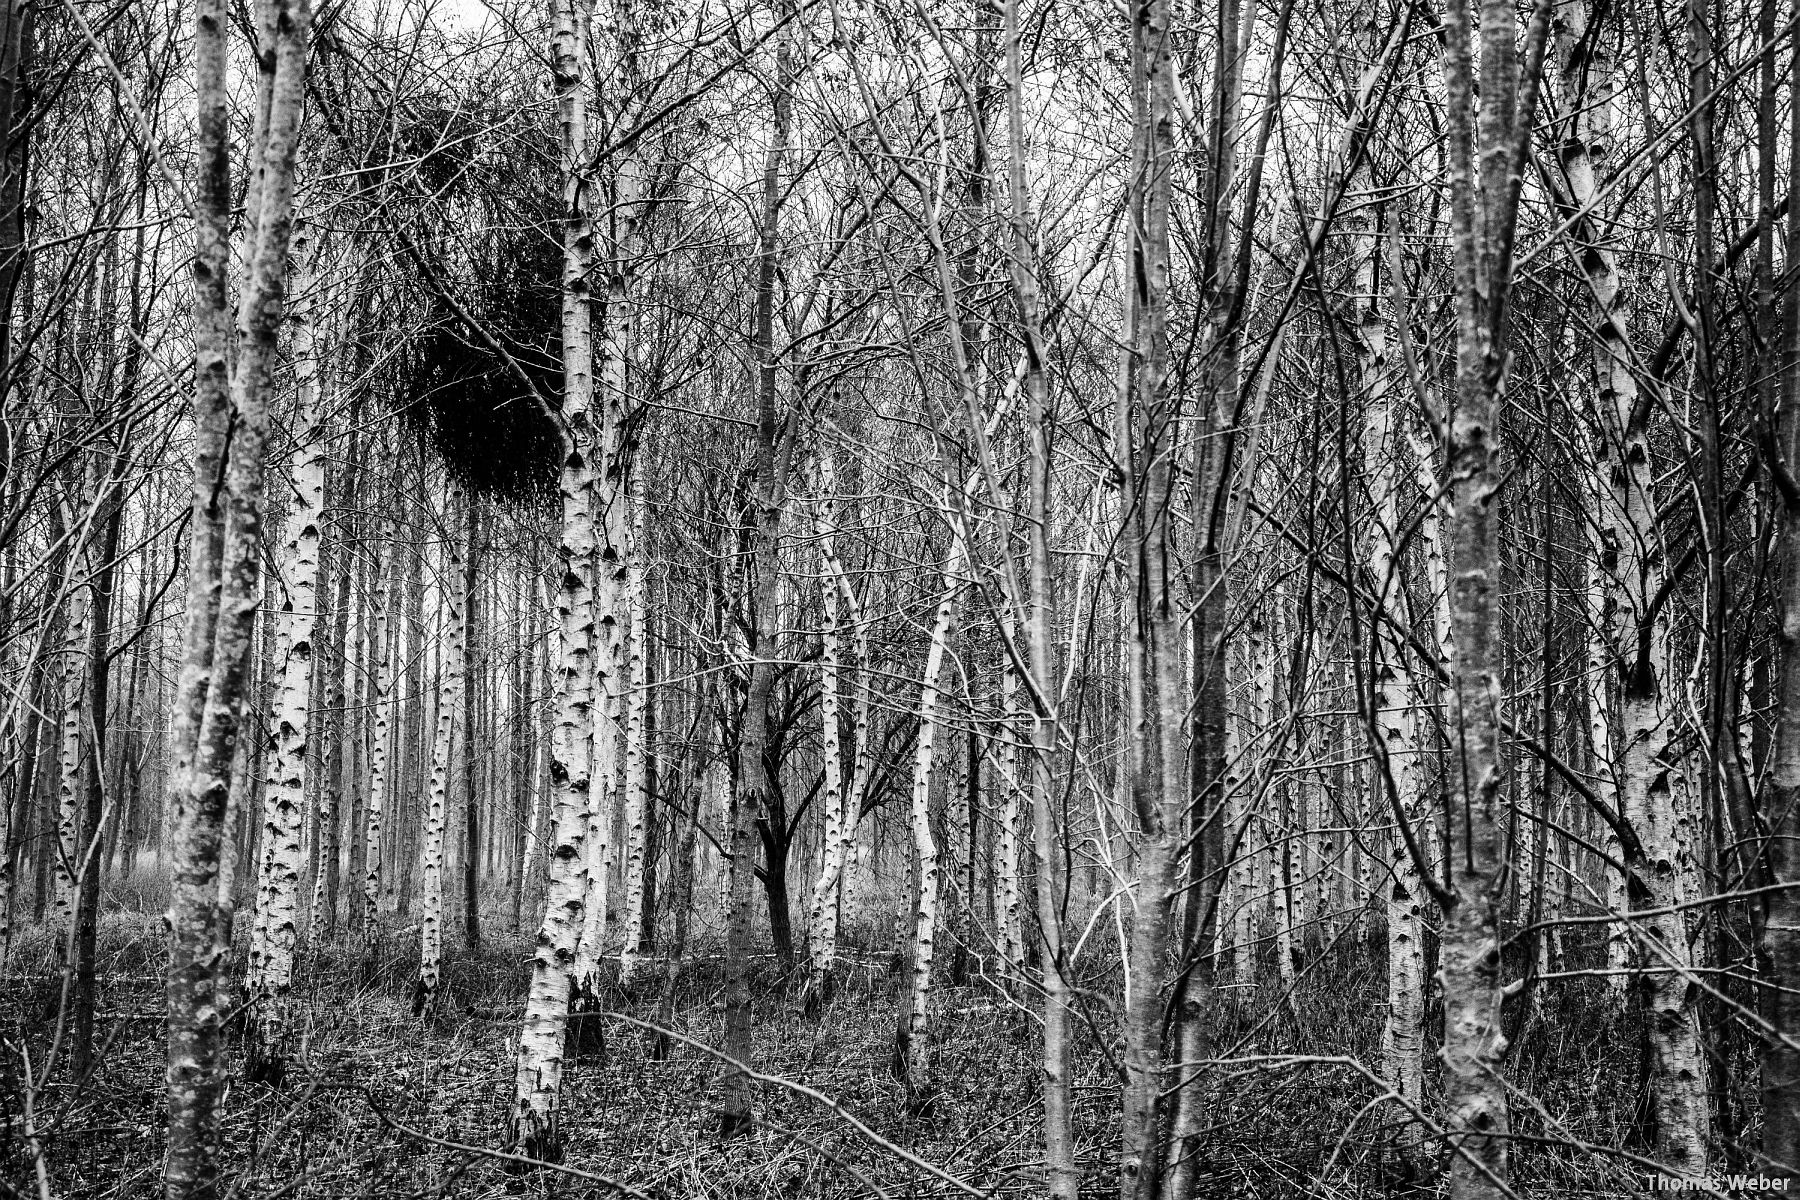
<point x="380" y="1104"/>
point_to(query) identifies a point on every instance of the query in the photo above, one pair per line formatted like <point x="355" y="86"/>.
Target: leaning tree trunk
<point x="912" y="1038"/>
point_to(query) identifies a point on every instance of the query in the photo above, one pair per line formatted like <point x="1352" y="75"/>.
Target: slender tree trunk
<point x="1213" y="776"/>
<point x="384" y="694"/>
<point x="270" y="968"/>
<point x="76" y="667"/>
<point x="110" y="509"/>
<point x="637" y="839"/>
<point x="1631" y="575"/>
<point x="683" y="900"/>
<point x="913" y="1052"/>
<point x="533" y="666"/>
<point x="840" y="818"/>
<point x="1062" y="1175"/>
<point x="453" y="610"/>
<point x="1391" y="693"/>
<point x="535" y="1128"/>
<point x="1779" y="1083"/>
<point x="340" y="725"/>
<point x="1156" y="704"/>
<point x="773" y="449"/>
<point x="474" y="681"/>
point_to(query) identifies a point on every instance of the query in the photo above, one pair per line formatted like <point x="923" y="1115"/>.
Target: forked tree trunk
<point x="1206" y="787"/>
<point x="223" y="552"/>
<point x="840" y="802"/>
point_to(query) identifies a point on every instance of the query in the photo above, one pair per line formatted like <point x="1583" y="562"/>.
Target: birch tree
<point x="1155" y="699"/>
<point x="912" y="1041"/>
<point x="535" y="1128"/>
<point x="275" y="931"/>
<point x="453" y="607"/>
<point x="1488" y="147"/>
<point x="223" y="549"/>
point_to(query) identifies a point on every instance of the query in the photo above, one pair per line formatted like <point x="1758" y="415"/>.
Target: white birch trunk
<point x="636" y="755"/>
<point x="385" y="637"/>
<point x="605" y="759"/>
<point x="1009" y="898"/>
<point x="839" y="829"/>
<point x="230" y="406"/>
<point x="283" y="858"/>
<point x="453" y="607"/>
<point x="1281" y="843"/>
<point x="1391" y="700"/>
<point x="1249" y="853"/>
<point x="68" y="786"/>
<point x="1630" y="551"/>
<point x="915" y="1051"/>
<point x="535" y="1127"/>
<point x="1600" y="741"/>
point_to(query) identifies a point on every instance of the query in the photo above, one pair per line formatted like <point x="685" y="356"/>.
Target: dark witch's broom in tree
<point x="478" y="391"/>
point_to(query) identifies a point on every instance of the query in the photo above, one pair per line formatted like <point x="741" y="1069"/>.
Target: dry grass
<point x="375" y="1097"/>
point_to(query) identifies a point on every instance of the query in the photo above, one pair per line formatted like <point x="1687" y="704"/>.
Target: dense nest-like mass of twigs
<point x="471" y="403"/>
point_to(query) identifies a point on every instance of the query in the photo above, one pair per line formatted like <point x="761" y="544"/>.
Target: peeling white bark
<point x="385" y="637"/>
<point x="1645" y="759"/>
<point x="636" y="754"/>
<point x="453" y="609"/>
<point x="916" y="1051"/>
<point x="839" y="826"/>
<point x="282" y="860"/>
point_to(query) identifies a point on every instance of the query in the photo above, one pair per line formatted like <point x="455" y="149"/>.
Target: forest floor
<point x="380" y="1104"/>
